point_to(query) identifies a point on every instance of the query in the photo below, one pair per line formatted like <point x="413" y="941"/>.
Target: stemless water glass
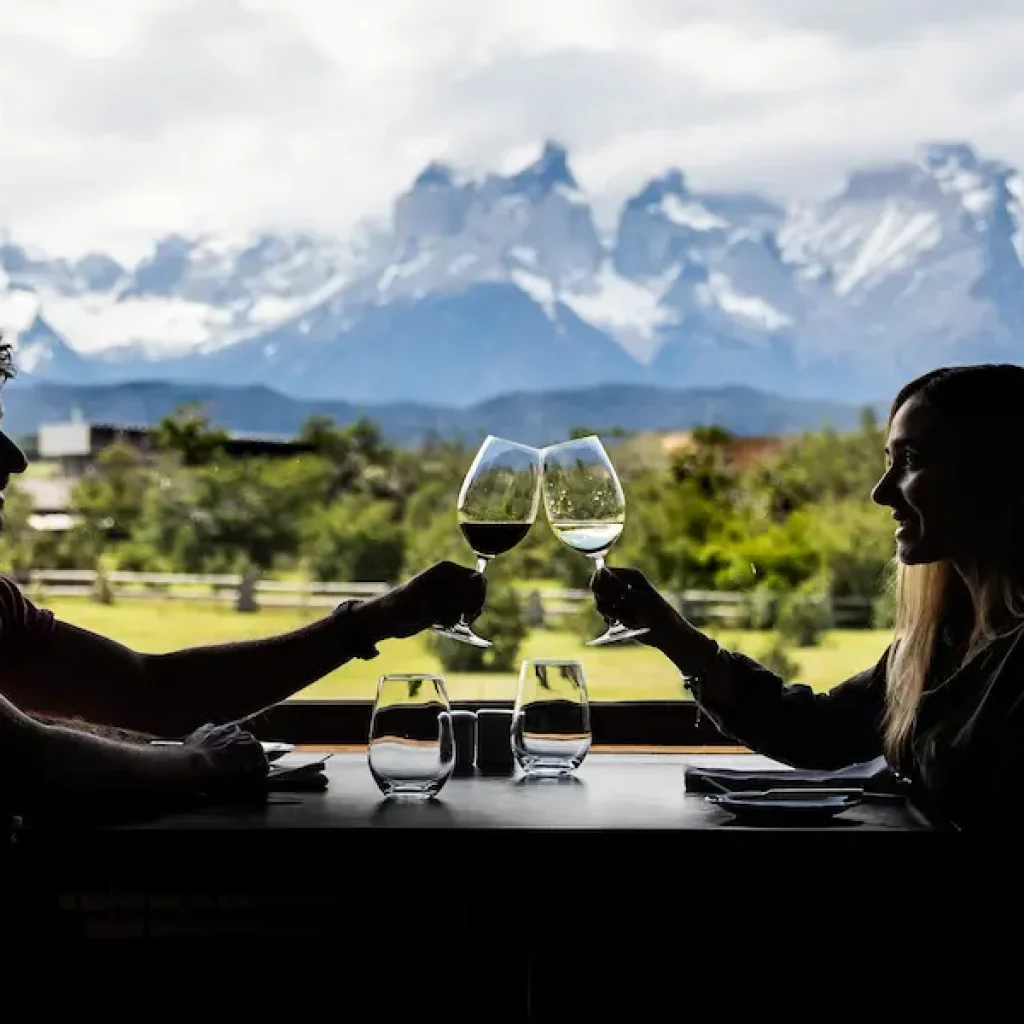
<point x="551" y="722"/>
<point x="497" y="505"/>
<point x="586" y="508"/>
<point x="411" y="744"/>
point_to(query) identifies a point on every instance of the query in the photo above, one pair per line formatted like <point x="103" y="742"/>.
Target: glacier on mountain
<point x="489" y="283"/>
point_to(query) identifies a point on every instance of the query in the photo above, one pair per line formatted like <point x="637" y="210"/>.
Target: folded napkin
<point x="874" y="777"/>
<point x="293" y="772"/>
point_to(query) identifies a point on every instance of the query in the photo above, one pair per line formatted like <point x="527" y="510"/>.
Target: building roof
<point x="138" y="428"/>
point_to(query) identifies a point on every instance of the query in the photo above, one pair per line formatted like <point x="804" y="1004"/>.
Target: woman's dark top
<point x="965" y="756"/>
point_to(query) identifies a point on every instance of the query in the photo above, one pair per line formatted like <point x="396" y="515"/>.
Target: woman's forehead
<point x="913" y="421"/>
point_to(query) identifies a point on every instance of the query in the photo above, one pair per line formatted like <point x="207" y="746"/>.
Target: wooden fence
<point x="722" y="607"/>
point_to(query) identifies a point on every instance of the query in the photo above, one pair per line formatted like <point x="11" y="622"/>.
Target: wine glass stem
<point x="481" y="566"/>
<point x="613" y="623"/>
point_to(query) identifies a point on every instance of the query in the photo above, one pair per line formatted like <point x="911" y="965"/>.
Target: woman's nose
<point x="881" y="492"/>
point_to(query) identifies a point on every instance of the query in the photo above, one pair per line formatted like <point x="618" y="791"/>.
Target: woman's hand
<point x="627" y="595"/>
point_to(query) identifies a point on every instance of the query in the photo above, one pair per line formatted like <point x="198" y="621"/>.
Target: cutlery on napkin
<point x="874" y="778"/>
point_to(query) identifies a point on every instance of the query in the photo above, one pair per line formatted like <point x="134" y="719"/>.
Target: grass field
<point x="612" y="673"/>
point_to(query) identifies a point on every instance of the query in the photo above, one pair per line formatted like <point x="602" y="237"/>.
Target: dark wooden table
<point x="613" y="793"/>
<point x="624" y="826"/>
<point x="609" y="882"/>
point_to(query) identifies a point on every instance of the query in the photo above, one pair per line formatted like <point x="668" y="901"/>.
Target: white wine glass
<point x="586" y="507"/>
<point x="496" y="507"/>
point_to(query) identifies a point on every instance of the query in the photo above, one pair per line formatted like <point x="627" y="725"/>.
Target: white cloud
<point x="124" y="119"/>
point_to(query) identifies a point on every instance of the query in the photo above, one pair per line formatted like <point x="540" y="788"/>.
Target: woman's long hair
<point x="982" y="410"/>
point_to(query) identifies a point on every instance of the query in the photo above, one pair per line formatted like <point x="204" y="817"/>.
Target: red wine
<point x="490" y="539"/>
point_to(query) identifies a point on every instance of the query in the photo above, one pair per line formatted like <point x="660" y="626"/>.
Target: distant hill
<point x="529" y="417"/>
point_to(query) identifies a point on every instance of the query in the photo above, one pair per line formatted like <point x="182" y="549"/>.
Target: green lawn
<point x="613" y="673"/>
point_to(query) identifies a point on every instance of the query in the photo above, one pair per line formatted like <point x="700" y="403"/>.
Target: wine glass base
<point x="615" y="635"/>
<point x="463" y="635"/>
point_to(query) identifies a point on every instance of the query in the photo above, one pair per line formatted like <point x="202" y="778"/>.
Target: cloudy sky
<point x="124" y="119"/>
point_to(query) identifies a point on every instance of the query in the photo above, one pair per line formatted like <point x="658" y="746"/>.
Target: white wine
<point x="591" y="539"/>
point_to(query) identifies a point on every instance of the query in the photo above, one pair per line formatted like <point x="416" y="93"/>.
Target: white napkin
<point x="872" y="776"/>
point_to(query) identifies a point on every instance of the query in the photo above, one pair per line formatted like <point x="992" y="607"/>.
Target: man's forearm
<point x="82" y="675"/>
<point x="53" y="769"/>
<point x="233" y="681"/>
<point x="85" y="771"/>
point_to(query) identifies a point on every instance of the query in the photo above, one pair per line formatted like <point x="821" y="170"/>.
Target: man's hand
<point x="437" y="596"/>
<point x="226" y="756"/>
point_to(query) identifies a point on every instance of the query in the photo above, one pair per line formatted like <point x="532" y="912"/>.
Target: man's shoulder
<point x="10" y="590"/>
<point x="20" y="619"/>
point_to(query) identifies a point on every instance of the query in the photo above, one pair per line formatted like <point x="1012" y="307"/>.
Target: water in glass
<point x="411" y="743"/>
<point x="551" y="724"/>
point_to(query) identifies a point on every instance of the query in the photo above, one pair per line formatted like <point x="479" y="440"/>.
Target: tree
<point x="189" y="434"/>
<point x="357" y="539"/>
<point x="218" y="517"/>
<point x="359" y="456"/>
<point x="26" y="547"/>
<point x="19" y="537"/>
<point x="110" y="497"/>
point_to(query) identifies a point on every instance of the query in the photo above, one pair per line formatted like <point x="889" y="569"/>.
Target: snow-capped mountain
<point x="488" y="284"/>
<point x="188" y="295"/>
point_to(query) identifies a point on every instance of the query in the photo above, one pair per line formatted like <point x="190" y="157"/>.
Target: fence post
<point x="534" y="611"/>
<point x="102" y="591"/>
<point x="245" y="600"/>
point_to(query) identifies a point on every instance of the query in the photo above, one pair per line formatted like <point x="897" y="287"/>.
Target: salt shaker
<point x="494" y="741"/>
<point x="464" y="727"/>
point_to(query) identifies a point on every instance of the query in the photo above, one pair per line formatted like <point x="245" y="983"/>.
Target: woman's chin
<point x="911" y="553"/>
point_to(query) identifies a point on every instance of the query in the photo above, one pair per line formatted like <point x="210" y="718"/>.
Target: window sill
<point x="669" y="724"/>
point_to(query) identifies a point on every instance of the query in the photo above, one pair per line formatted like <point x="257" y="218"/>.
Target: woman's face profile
<point x="932" y="506"/>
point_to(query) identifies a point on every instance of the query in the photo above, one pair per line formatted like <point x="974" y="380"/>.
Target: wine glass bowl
<point x="496" y="507"/>
<point x="586" y="507"/>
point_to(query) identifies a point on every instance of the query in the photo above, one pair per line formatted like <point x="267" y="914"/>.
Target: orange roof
<point x="741" y="451"/>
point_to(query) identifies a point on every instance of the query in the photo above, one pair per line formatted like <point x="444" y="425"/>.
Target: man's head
<point x="12" y="458"/>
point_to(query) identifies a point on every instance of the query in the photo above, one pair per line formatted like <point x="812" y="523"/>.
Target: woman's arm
<point x="788" y="722"/>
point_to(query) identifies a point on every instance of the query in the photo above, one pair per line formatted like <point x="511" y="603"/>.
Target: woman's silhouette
<point x="945" y="703"/>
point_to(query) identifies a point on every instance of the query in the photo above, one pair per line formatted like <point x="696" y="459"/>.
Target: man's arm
<point x="79" y="674"/>
<point x="50" y="769"/>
